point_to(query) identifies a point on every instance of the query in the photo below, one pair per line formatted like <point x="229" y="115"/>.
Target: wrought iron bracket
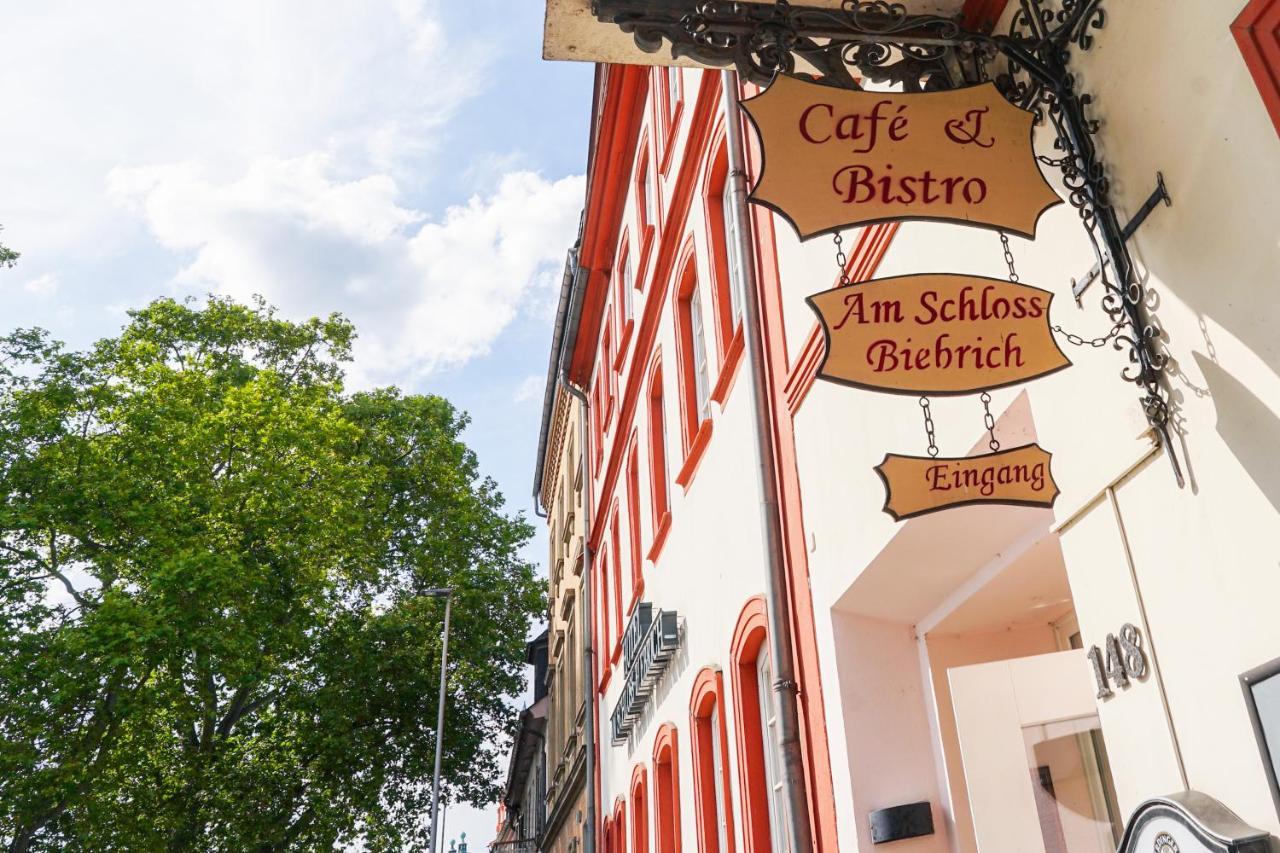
<point x="882" y="42"/>
<point x="1159" y="194"/>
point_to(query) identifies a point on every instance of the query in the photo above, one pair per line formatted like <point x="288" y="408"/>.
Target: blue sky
<point x="413" y="164"/>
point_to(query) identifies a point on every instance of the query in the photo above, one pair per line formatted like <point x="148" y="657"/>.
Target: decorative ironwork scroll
<point x="881" y="42"/>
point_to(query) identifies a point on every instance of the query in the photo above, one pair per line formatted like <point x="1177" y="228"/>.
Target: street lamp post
<point x="447" y="594"/>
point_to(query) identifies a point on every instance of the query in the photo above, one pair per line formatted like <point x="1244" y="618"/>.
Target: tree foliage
<point x="8" y="257"/>
<point x="213" y="628"/>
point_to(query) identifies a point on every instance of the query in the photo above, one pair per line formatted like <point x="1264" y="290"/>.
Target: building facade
<point x="1031" y="675"/>
<point x="560" y="495"/>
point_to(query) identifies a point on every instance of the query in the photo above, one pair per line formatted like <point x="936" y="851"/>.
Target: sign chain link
<point x="1071" y="337"/>
<point x="989" y="421"/>
<point x="842" y="260"/>
<point x="928" y="427"/>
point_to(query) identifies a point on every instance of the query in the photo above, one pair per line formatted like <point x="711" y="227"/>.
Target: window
<point x="620" y="826"/>
<point x="733" y="253"/>
<point x="633" y="516"/>
<point x="617" y="581"/>
<point x="639" y="810"/>
<point x="710" y="771"/>
<point x="673" y="92"/>
<point x="607" y="377"/>
<point x="627" y="283"/>
<point x="659" y="480"/>
<point x="753" y="725"/>
<point x="643" y="195"/>
<point x="605" y="643"/>
<point x="693" y="354"/>
<point x="666" y="791"/>
<point x="772" y="752"/>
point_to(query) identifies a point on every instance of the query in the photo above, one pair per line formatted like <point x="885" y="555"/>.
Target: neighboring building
<point x="523" y="809"/>
<point x="560" y="494"/>
<point x="944" y="659"/>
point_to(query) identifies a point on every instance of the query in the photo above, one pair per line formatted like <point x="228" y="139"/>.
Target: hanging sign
<point x="836" y="157"/>
<point x="936" y="334"/>
<point x="917" y="485"/>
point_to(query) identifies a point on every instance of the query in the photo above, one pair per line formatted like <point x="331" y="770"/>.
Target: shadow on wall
<point x="1247" y="425"/>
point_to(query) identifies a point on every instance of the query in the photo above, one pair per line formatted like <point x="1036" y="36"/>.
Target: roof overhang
<point x="574" y="32"/>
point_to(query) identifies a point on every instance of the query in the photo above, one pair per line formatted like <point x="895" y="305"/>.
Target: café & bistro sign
<point x="917" y="485"/>
<point x="834" y="158"/>
<point x="936" y="334"/>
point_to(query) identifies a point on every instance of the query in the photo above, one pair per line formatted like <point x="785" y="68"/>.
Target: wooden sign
<point x="835" y="157"/>
<point x="936" y="334"/>
<point x="918" y="485"/>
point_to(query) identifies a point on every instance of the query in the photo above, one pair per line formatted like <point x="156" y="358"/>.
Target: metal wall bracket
<point x="1159" y="194"/>
<point x="881" y="42"/>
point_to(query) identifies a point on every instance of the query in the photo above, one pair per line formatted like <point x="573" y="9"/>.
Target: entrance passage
<point x="1034" y="760"/>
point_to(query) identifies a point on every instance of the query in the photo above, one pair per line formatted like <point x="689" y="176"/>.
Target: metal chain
<point x="989" y="421"/>
<point x="928" y="427"/>
<point x="1071" y="337"/>
<point x="842" y="260"/>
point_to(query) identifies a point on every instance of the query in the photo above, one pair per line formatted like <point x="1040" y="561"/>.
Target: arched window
<point x="605" y="635"/>
<point x="666" y="791"/>
<point x="724" y="241"/>
<point x="617" y="583"/>
<point x="710" y="748"/>
<point x="764" y="805"/>
<point x="691" y="330"/>
<point x="659" y="477"/>
<point x="633" y="519"/>
<point x="619" y="826"/>
<point x="639" y="810"/>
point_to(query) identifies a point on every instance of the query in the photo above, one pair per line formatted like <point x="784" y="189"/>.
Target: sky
<point x="412" y="164"/>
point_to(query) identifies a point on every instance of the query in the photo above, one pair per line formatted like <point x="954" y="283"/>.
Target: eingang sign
<point x="834" y="158"/>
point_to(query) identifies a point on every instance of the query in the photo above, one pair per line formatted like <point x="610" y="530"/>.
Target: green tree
<point x="8" y="257"/>
<point x="213" y="632"/>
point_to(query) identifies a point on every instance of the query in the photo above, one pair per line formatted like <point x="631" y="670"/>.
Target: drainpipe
<point x="588" y="643"/>
<point x="785" y="688"/>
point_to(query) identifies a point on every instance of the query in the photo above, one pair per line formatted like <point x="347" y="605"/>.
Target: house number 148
<point x="1124" y="660"/>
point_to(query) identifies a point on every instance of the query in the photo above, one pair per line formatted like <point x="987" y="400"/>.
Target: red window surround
<point x="620" y="825"/>
<point x="625" y="291"/>
<point x="1257" y="32"/>
<point x="639" y="810"/>
<point x="706" y="704"/>
<point x="645" y="193"/>
<point x="666" y="790"/>
<point x="669" y="100"/>
<point x="606" y="833"/>
<point x="633" y="519"/>
<point x="729" y="342"/>
<point x="605" y="637"/>
<point x="659" y="487"/>
<point x="748" y="637"/>
<point x="608" y="378"/>
<point x="692" y="368"/>
<point x="617" y="585"/>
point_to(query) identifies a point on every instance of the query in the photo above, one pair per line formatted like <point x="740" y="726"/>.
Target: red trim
<point x="640" y="809"/>
<point x="749" y="635"/>
<point x="647" y="236"/>
<point x="659" y="537"/>
<point x="1257" y="33"/>
<point x="686" y="284"/>
<point x="669" y="115"/>
<point x="728" y="369"/>
<point x="633" y="518"/>
<point x="617" y="584"/>
<point x="659" y="472"/>
<point x="873" y="243"/>
<point x="666" y="790"/>
<point x="693" y="458"/>
<point x="708" y="694"/>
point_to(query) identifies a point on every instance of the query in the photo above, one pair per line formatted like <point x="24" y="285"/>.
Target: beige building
<point x="560" y="497"/>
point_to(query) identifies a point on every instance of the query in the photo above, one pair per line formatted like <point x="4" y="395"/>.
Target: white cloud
<point x="42" y="285"/>
<point x="423" y="294"/>
<point x="531" y="388"/>
<point x="90" y="87"/>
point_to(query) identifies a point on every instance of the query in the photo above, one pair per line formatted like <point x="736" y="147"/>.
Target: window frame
<point x="659" y="463"/>
<point x="666" y="790"/>
<point x="709" y="744"/>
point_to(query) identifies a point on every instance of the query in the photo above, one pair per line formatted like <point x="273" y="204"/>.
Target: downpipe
<point x="785" y="688"/>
